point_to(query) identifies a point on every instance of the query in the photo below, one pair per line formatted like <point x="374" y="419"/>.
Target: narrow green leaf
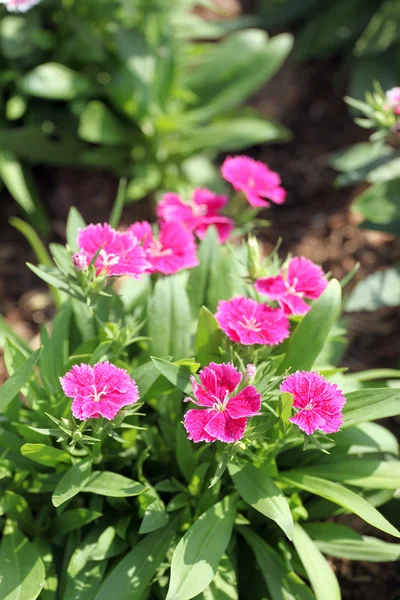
<point x="258" y="490"/>
<point x="45" y="455"/>
<point x="315" y="326"/>
<point x="282" y="583"/>
<point x="198" y="553"/>
<point x="22" y="572"/>
<point x="322" y="577"/>
<point x="185" y="455"/>
<point x="371" y="404"/>
<point x="132" y="575"/>
<point x="178" y="375"/>
<point x="170" y="319"/>
<point x="339" y="495"/>
<point x="14" y="384"/>
<point x="106" y="483"/>
<point x="119" y="202"/>
<point x="75" y="518"/>
<point x="208" y="338"/>
<point x="72" y="482"/>
<point x="75" y="222"/>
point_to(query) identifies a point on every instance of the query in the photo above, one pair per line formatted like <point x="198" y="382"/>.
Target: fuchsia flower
<point x="19" y="5"/>
<point x="393" y="97"/>
<point x="120" y="254"/>
<point x="254" y="179"/>
<point x="174" y="250"/>
<point x="303" y="279"/>
<point x="247" y="322"/>
<point x="80" y="261"/>
<point x="201" y="213"/>
<point x="100" y="390"/>
<point x="222" y="417"/>
<point x="319" y="401"/>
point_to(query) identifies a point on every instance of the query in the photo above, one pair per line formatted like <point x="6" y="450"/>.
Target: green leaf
<point x="72" y="482"/>
<point x="21" y="186"/>
<point x="208" y="338"/>
<point x="17" y="35"/>
<point x="54" y="82"/>
<point x="322" y="577"/>
<point x="235" y="133"/>
<point x="339" y="495"/>
<point x="342" y="542"/>
<point x="45" y="455"/>
<point x="99" y="125"/>
<point x="75" y="222"/>
<point x="178" y="375"/>
<point x="315" y="326"/>
<point x="380" y="206"/>
<point x="235" y="69"/>
<point x="170" y="319"/>
<point x="17" y="509"/>
<point x="283" y="584"/>
<point x="378" y="290"/>
<point x="185" y="456"/>
<point x="199" y="278"/>
<point x="197" y="555"/>
<point x="155" y="515"/>
<point x="14" y="384"/>
<point x="370" y="404"/>
<point x="119" y="202"/>
<point x="258" y="490"/>
<point x="22" y="572"/>
<point x="132" y="575"/>
<point x="224" y="584"/>
<point x="34" y="240"/>
<point x="75" y="518"/>
<point x="361" y="471"/>
<point x="114" y="485"/>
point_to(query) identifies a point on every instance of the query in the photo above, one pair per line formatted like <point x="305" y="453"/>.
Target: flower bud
<point x="251" y="371"/>
<point x="80" y="261"/>
<point x="253" y="257"/>
<point x="77" y="436"/>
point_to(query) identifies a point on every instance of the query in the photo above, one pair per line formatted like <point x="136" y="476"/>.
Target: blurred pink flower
<point x="303" y="279"/>
<point x="174" y="250"/>
<point x="100" y="390"/>
<point x="120" y="254"/>
<point x="19" y="5"/>
<point x="201" y="213"/>
<point x="254" y="179"/>
<point x="222" y="417"/>
<point x="319" y="401"/>
<point x="248" y="322"/>
<point x="251" y="371"/>
<point x="393" y="97"/>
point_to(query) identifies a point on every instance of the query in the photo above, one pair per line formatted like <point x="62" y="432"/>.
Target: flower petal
<point x="222" y="427"/>
<point x="195" y="422"/>
<point x="308" y="421"/>
<point x="245" y="404"/>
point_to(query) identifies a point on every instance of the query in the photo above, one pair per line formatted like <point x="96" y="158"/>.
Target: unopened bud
<point x="77" y="436"/>
<point x="251" y="371"/>
<point x="80" y="261"/>
<point x="253" y="260"/>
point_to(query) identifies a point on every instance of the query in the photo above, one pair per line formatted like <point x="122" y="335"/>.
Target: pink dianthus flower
<point x="303" y="279"/>
<point x="254" y="179"/>
<point x="174" y="250"/>
<point x="393" y="97"/>
<point x="19" y="5"/>
<point x="100" y="390"/>
<point x="201" y="213"/>
<point x="248" y="322"/>
<point x="222" y="416"/>
<point x="319" y="401"/>
<point x="120" y="254"/>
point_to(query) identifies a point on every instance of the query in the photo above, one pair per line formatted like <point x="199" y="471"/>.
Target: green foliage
<point x="101" y="509"/>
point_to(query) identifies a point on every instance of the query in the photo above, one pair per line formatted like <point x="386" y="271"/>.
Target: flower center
<point x="221" y="406"/>
<point x="108" y="259"/>
<point x="97" y="395"/>
<point x="310" y="405"/>
<point x="251" y="323"/>
<point x="199" y="210"/>
<point x="156" y="249"/>
<point x="291" y="289"/>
